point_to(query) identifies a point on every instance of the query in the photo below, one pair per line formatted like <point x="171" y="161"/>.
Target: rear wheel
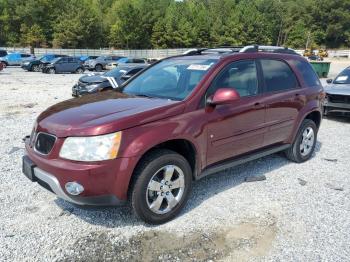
<point x="304" y="143"/>
<point x="161" y="186"/>
<point x="52" y="71"/>
<point x="4" y="64"/>
<point x="98" y="68"/>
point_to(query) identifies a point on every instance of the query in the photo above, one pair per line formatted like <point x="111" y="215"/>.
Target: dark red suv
<point x="181" y="119"/>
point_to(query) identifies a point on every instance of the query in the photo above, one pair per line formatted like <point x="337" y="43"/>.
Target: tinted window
<point x="277" y="75"/>
<point x="25" y="55"/>
<point x="309" y="75"/>
<point x="138" y="61"/>
<point x="3" y="53"/>
<point x="242" y="76"/>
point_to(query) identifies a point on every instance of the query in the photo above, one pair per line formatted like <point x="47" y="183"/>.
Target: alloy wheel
<point x="307" y="142"/>
<point x="165" y="189"/>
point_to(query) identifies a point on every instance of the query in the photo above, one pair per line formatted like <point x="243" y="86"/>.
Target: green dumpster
<point x="321" y="68"/>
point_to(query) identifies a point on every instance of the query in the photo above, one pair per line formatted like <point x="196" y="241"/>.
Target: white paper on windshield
<point x="342" y="78"/>
<point x="198" y="67"/>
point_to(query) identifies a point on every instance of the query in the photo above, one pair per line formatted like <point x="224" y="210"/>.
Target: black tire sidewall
<point x="139" y="202"/>
<point x="98" y="68"/>
<point x="296" y="146"/>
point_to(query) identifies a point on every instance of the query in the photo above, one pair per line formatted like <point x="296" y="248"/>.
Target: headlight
<point x="93" y="148"/>
<point x="90" y="88"/>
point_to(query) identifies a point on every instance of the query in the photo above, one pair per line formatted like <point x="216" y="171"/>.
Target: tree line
<point x="143" y="24"/>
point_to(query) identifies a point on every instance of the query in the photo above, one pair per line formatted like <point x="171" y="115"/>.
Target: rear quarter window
<point x="278" y="76"/>
<point x="308" y="73"/>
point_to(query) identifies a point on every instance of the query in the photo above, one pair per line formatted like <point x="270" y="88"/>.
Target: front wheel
<point x="52" y="71"/>
<point x="161" y="186"/>
<point x="304" y="143"/>
<point x="79" y="70"/>
<point x="35" y="68"/>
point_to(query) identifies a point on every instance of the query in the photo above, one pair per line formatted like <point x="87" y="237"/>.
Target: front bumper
<point x="51" y="183"/>
<point x="25" y="67"/>
<point x="336" y="107"/>
<point x="104" y="182"/>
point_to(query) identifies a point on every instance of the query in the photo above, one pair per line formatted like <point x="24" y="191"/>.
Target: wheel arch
<point x="182" y="146"/>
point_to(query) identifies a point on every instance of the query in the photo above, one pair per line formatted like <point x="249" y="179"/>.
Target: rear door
<point x="236" y="128"/>
<point x="283" y="99"/>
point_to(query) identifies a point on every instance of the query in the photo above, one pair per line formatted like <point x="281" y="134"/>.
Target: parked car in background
<point x="315" y="58"/>
<point x="3" y="53"/>
<point x="37" y="64"/>
<point x="180" y="120"/>
<point x="338" y="94"/>
<point x="64" y="65"/>
<point x="100" y="63"/>
<point x="86" y="57"/>
<point x="89" y="84"/>
<point x="16" y="59"/>
<point x="125" y="60"/>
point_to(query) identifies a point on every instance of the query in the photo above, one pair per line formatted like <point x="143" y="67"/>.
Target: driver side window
<point x="241" y="75"/>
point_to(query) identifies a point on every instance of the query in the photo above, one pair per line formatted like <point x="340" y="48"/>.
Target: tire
<point x="79" y="70"/>
<point x="51" y="71"/>
<point x="98" y="68"/>
<point x="304" y="142"/>
<point x="35" y="68"/>
<point x="4" y="64"/>
<point x="152" y="168"/>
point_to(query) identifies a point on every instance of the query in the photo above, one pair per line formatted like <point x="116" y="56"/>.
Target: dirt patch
<point x="234" y="243"/>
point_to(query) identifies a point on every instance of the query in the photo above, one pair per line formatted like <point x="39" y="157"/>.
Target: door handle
<point x="258" y="105"/>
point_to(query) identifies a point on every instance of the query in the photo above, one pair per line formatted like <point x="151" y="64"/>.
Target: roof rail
<point x="240" y="49"/>
<point x="267" y="48"/>
<point x="216" y="50"/>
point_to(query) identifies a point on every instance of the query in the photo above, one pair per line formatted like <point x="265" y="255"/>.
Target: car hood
<point x="338" y="89"/>
<point x="92" y="79"/>
<point x="104" y="113"/>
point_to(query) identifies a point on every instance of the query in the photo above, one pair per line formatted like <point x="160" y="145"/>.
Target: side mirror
<point x="223" y="96"/>
<point x="329" y="81"/>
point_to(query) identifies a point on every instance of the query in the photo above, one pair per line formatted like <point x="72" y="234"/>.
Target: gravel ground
<point x="301" y="212"/>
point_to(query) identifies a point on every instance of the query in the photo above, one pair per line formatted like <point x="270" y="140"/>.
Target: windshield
<point x="343" y="77"/>
<point x="172" y="78"/>
<point x="101" y="58"/>
<point x="116" y="72"/>
<point x="46" y="58"/>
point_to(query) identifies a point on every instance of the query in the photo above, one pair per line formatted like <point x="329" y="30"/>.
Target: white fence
<point x="142" y="53"/>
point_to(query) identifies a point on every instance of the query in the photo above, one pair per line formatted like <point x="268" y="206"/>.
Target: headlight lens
<point x="94" y="148"/>
<point x="90" y="88"/>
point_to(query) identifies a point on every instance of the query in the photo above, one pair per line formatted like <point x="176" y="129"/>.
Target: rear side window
<point x="3" y="53"/>
<point x="25" y="55"/>
<point x="277" y="75"/>
<point x="309" y="75"/>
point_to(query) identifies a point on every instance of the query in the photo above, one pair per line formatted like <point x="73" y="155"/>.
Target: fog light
<point x="74" y="188"/>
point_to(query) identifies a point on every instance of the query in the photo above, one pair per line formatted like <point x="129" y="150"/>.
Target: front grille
<point x="338" y="99"/>
<point x="44" y="143"/>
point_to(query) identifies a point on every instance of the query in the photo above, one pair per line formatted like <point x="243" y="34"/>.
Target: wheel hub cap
<point x="307" y="141"/>
<point x="165" y="189"/>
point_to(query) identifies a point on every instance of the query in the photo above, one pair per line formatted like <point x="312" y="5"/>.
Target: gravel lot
<point x="301" y="212"/>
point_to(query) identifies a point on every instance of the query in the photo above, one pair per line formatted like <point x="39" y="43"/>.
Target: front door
<point x="236" y="128"/>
